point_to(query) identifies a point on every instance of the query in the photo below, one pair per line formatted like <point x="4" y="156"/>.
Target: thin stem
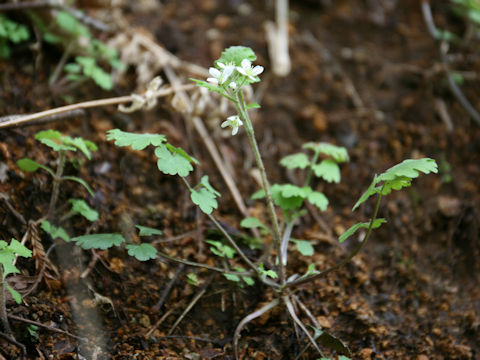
<point x="285" y="239"/>
<point x="310" y="169"/>
<point x="203" y="266"/>
<point x="241" y="107"/>
<point x="3" y="303"/>
<point x="56" y="183"/>
<point x="360" y="246"/>
<point x="247" y="319"/>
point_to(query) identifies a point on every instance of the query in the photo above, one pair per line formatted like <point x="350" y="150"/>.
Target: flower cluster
<point x="225" y="73"/>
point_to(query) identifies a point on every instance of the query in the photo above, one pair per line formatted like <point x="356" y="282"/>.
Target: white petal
<point x="240" y="122"/>
<point x="257" y="70"/>
<point x="246" y="64"/>
<point x="225" y="124"/>
<point x="235" y="130"/>
<point x="233" y="85"/>
<point x="228" y="71"/>
<point x="214" y="72"/>
<point x="241" y="70"/>
<point x="213" y="81"/>
<point x="220" y="65"/>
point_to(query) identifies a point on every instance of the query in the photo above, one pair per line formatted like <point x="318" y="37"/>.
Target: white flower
<point x="247" y="70"/>
<point x="233" y="85"/>
<point x="234" y="122"/>
<point x="220" y="77"/>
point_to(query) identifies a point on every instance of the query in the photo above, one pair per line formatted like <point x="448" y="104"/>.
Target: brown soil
<point x="365" y="75"/>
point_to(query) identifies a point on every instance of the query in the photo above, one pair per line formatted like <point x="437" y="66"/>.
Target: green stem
<point x="310" y="170"/>
<point x="56" y="183"/>
<point x="243" y="112"/>
<point x="359" y="248"/>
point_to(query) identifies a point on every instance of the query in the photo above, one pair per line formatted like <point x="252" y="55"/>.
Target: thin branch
<point x="84" y="105"/>
<point x="295" y="318"/>
<point x="360" y="246"/>
<point x="168" y="289"/>
<point x="249" y="318"/>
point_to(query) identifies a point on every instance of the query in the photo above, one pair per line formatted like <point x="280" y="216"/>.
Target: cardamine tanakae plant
<point x="229" y="75"/>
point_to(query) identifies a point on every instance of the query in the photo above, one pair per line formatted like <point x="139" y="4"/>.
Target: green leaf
<point x="318" y="199"/>
<point x="221" y="249"/>
<point x="83" y="145"/>
<point x="376" y="224"/>
<point x="55" y="232"/>
<point x="181" y="152"/>
<point x="148" y="231"/>
<point x="205" y="183"/>
<point x="338" y="153"/>
<point x="253" y="222"/>
<point x="257" y="195"/>
<point x="253" y="106"/>
<point x="19" y="249"/>
<point x="269" y="273"/>
<point x="235" y="55"/>
<point x="204" y="199"/>
<point x="192" y="279"/>
<point x="136" y="141"/>
<point x="409" y="168"/>
<point x="81" y="182"/>
<point x="15" y="294"/>
<point x="327" y="170"/>
<point x="99" y="241"/>
<point x="369" y="192"/>
<point x="79" y="206"/>
<point x="209" y="86"/>
<point x="56" y="146"/>
<point x="142" y="252"/>
<point x="102" y="78"/>
<point x="289" y="190"/>
<point x="48" y="134"/>
<point x="295" y="161"/>
<point x="27" y="164"/>
<point x="172" y="163"/>
<point x="289" y="202"/>
<point x="69" y="23"/>
<point x="232" y="277"/>
<point x="396" y="184"/>
<point x="304" y="247"/>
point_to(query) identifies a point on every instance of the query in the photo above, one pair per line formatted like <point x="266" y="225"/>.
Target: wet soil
<point x="365" y="75"/>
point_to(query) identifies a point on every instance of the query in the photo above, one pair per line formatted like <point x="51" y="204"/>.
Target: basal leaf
<point x="172" y="163"/>
<point x="286" y="202"/>
<point x="295" y="161"/>
<point x="29" y="165"/>
<point x="57" y="146"/>
<point x="136" y="141"/>
<point x="205" y="199"/>
<point x="235" y="55"/>
<point x="327" y="170"/>
<point x="48" y="134"/>
<point x="55" y="232"/>
<point x="318" y="199"/>
<point x="81" y="207"/>
<point x="253" y="222"/>
<point x="142" y="252"/>
<point x="338" y="153"/>
<point x="376" y="224"/>
<point x="304" y="247"/>
<point x="148" y="231"/>
<point x="409" y="168"/>
<point x="289" y="190"/>
<point x="99" y="241"/>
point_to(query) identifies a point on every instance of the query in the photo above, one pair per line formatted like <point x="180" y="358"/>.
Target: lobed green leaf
<point x="338" y="153"/>
<point x="99" y="241"/>
<point x="136" y="141"/>
<point x="235" y="55"/>
<point x="142" y="252"/>
<point x="79" y="206"/>
<point x="172" y="163"/>
<point x="295" y="161"/>
<point x="54" y="231"/>
<point x="304" y="247"/>
<point x="148" y="231"/>
<point x="409" y="168"/>
<point x="376" y="224"/>
<point x="318" y="199"/>
<point x="328" y="170"/>
<point x="205" y="199"/>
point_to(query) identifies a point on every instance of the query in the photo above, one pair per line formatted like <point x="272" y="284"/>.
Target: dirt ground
<point x="366" y="75"/>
